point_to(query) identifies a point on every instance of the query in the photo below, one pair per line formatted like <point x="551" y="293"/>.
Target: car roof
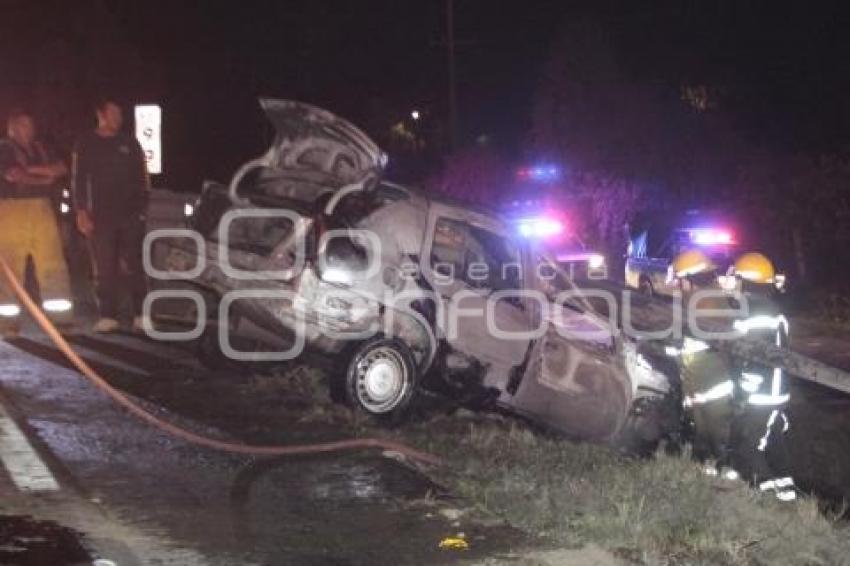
<point x="442" y="200"/>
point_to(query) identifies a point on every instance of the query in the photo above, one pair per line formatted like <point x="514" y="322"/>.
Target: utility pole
<point x="450" y="46"/>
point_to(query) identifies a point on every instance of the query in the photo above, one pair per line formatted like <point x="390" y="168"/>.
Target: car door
<point x="637" y="262"/>
<point x="662" y="246"/>
<point x="575" y="382"/>
<point x="475" y="321"/>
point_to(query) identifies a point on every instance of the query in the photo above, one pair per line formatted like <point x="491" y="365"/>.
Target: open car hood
<point x="316" y="143"/>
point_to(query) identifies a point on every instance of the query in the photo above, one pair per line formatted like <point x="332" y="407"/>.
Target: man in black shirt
<point x="29" y="184"/>
<point x="110" y="188"/>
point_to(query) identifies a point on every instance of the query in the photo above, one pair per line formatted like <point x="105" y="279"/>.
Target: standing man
<point x="30" y="176"/>
<point x="110" y="189"/>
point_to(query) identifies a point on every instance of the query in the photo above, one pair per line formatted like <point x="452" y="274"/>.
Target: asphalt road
<point x="142" y="497"/>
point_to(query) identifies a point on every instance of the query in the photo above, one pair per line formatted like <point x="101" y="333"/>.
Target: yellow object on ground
<point x="454" y="543"/>
<point x="28" y="227"/>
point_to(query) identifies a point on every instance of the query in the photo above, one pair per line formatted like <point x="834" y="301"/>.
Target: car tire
<point x="381" y="378"/>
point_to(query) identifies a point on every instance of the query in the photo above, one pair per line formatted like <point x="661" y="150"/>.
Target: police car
<point x="551" y="226"/>
<point x="649" y="262"/>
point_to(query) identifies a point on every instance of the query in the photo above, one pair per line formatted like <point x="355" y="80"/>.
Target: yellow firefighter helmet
<point x="692" y="262"/>
<point x="755" y="267"/>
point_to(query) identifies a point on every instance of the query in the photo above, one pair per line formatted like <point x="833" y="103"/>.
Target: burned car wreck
<point x="309" y="251"/>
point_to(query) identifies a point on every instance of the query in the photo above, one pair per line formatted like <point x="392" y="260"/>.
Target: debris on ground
<point x="455" y="543"/>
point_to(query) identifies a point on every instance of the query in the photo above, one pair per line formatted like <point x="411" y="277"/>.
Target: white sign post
<point x="149" y="134"/>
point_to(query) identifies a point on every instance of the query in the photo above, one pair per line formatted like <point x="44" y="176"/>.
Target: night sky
<point x="783" y="72"/>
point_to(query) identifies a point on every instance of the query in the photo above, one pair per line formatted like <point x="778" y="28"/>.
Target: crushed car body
<point x="310" y="251"/>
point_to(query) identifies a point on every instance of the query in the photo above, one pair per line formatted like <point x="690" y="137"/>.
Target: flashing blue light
<point x="541" y="173"/>
<point x="711" y="237"/>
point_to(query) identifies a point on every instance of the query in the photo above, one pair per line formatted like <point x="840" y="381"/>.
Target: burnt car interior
<point x="462" y="249"/>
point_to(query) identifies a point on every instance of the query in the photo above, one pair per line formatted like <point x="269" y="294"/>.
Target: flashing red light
<point x="540" y="173"/>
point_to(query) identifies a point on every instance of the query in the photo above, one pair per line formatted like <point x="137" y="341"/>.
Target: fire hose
<point x="187" y="435"/>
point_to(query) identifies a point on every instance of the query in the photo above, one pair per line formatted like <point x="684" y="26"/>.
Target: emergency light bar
<point x="594" y="260"/>
<point x="711" y="237"/>
<point x="542" y="173"/>
<point x="539" y="227"/>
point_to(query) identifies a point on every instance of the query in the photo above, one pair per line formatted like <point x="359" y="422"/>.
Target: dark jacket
<point x="109" y="177"/>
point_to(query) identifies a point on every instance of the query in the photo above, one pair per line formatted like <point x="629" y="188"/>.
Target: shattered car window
<point x="554" y="281"/>
<point x="478" y="257"/>
<point x="556" y="284"/>
<point x="501" y="257"/>
<point x="447" y="252"/>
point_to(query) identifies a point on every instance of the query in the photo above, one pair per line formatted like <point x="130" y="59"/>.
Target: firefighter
<point x="758" y="443"/>
<point x="707" y="382"/>
<point x="30" y="175"/>
<point x="109" y="189"/>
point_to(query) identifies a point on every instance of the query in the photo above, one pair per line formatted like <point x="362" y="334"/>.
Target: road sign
<point x="149" y="134"/>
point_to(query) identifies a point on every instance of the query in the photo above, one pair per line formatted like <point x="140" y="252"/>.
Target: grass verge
<point x="660" y="510"/>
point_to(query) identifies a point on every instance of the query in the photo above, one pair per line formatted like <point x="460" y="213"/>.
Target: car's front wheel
<point x="381" y="378"/>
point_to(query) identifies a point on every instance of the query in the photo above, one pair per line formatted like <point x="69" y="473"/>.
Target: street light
<point x="415" y="114"/>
